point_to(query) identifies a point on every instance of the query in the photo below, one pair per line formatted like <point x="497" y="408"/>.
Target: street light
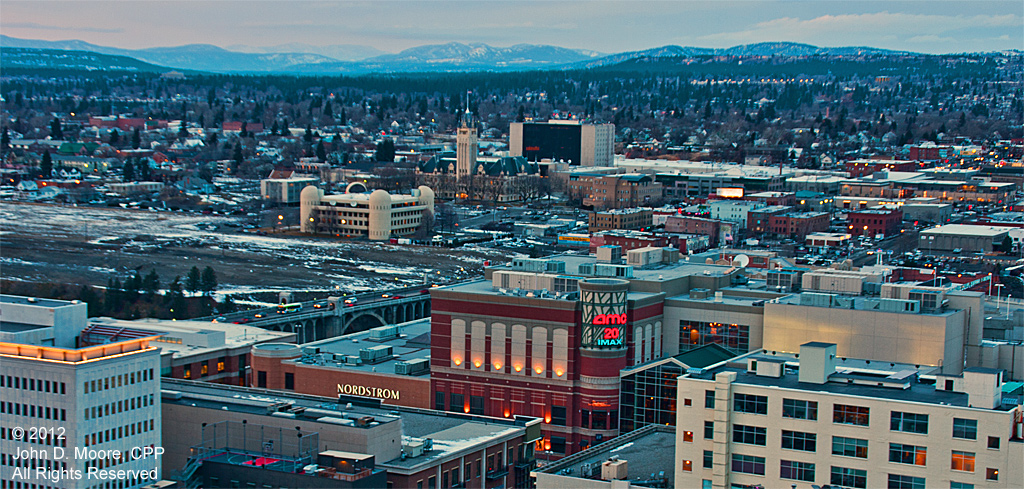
<point x="999" y="290"/>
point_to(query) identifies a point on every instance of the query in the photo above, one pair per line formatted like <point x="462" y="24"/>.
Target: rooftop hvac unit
<point x="364" y="421"/>
<point x="555" y="266"/>
<point x="898" y="305"/>
<point x="375" y="354"/>
<point x="413" y="449"/>
<point x="384" y="332"/>
<point x="614" y="470"/>
<point x="529" y="264"/>
<point x="413" y="367"/>
<point x="607" y="270"/>
<point x="586" y="268"/>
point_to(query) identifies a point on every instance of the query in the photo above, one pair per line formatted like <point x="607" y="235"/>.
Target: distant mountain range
<point x="355" y="59"/>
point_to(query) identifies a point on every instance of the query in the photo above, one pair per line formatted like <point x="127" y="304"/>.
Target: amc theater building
<point x="548" y="337"/>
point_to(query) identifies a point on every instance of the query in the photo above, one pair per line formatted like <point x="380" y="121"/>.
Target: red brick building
<point x="504" y="354"/>
<point x="759" y="220"/>
<point x="797" y="225"/>
<point x="873" y="222"/>
<point x="694" y="225"/>
<point x="860" y="168"/>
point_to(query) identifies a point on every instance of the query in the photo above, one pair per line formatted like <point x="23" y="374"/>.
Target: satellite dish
<point x="741" y="261"/>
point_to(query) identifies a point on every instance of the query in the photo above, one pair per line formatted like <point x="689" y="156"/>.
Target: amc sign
<point x="610" y="318"/>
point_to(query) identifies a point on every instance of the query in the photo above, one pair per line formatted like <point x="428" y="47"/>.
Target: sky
<point x="604" y="26"/>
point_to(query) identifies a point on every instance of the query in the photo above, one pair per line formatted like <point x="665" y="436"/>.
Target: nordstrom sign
<point x="367" y="391"/>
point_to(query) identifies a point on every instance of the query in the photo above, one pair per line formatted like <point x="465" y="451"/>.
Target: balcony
<point x="497" y="473"/>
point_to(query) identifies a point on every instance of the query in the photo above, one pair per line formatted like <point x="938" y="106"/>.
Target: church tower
<point x="466" y="144"/>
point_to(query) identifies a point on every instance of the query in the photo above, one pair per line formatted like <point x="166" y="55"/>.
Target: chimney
<point x="817" y="362"/>
<point x="983" y="387"/>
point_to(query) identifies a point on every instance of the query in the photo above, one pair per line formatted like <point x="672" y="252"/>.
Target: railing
<point x="331" y="473"/>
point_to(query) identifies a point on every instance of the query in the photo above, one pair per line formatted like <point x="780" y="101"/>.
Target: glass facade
<point x="649" y="397"/>
<point x="694" y="334"/>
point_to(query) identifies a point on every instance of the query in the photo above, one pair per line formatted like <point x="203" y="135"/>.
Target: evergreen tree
<point x="273" y="128"/>
<point x="328" y="112"/>
<point x="211" y="140"/>
<point x="193" y="282"/>
<point x="136" y="138"/>
<point x="151" y="283"/>
<point x="308" y="137"/>
<point x="128" y="171"/>
<point x="114" y="137"/>
<point x="46" y="166"/>
<point x="321" y="152"/>
<point x="178" y="305"/>
<point x="227" y="305"/>
<point x="344" y="117"/>
<point x="183" y="131"/>
<point x="5" y="140"/>
<point x="208" y="280"/>
<point x="144" y="170"/>
<point x="385" y="151"/>
<point x="56" y="131"/>
<point x="238" y="156"/>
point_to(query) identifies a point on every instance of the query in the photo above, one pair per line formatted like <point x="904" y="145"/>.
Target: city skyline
<point x="606" y="27"/>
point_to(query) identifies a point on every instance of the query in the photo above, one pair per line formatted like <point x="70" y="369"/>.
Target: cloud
<point x="44" y="27"/>
<point x="869" y="28"/>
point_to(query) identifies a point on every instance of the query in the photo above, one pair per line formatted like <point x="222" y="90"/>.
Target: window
<point x="439" y="401"/>
<point x="709" y="430"/>
<point x="220" y="365"/>
<point x="905" y="482"/>
<point x="585" y="418"/>
<point x="476" y="405"/>
<point x="856" y="415"/>
<point x="965" y="428"/>
<point x="798" y="440"/>
<point x="694" y="334"/>
<point x="751" y="435"/>
<point x="991" y="474"/>
<point x="842" y="476"/>
<point x="558" y="444"/>
<point x="993" y="442"/>
<point x="909" y="422"/>
<point x="289" y="380"/>
<point x="203" y="370"/>
<point x="749" y="403"/>
<point x="747" y="464"/>
<point x="795" y="408"/>
<point x="849" y="447"/>
<point x="456" y="402"/>
<point x="687" y="466"/>
<point x="801" y="471"/>
<point x="709" y="399"/>
<point x="960" y="485"/>
<point x="557" y="415"/>
<point x="709" y="458"/>
<point x="907" y="454"/>
<point x="261" y="377"/>
<point x="688" y="436"/>
<point x="963" y="461"/>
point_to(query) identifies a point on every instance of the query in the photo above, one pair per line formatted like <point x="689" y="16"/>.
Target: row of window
<point x="40" y="385"/>
<point x="33" y="411"/>
<point x="842" y="476"/>
<point x="115" y="381"/>
<point x="111" y="434"/>
<point x="845" y="414"/>
<point x="123" y="405"/>
<point x="204" y="368"/>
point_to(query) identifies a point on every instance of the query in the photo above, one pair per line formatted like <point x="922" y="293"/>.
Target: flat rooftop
<point x="36" y="301"/>
<point x="913" y="390"/>
<point x="14" y="327"/>
<point x="235" y="335"/>
<point x="450" y="432"/>
<point x="659" y="272"/>
<point x="647" y="451"/>
<point x="412" y="343"/>
<point x="967" y="229"/>
<point x="860" y="303"/>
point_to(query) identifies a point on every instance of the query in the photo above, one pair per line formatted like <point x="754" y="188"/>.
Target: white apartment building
<point x="88" y="403"/>
<point x="815" y="419"/>
<point x="733" y="210"/>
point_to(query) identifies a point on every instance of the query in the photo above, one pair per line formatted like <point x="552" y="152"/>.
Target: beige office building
<point x="816" y="420"/>
<point x="376" y="215"/>
<point x="571" y="141"/>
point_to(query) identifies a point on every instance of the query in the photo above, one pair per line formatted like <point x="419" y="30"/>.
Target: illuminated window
<point x="963" y="461"/>
<point x="188" y="373"/>
<point x="908" y="454"/>
<point x="220" y="366"/>
<point x="687" y="466"/>
<point x="203" y="370"/>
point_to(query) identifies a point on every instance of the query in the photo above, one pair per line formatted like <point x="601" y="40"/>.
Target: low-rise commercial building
<point x="966" y="237"/>
<point x="874" y="222"/>
<point x="636" y="218"/>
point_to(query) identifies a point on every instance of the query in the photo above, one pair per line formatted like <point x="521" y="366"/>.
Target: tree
<point x="136" y="138"/>
<point x="237" y="156"/>
<point x="5" y="140"/>
<point x="1007" y="245"/>
<point x="227" y="305"/>
<point x="193" y="281"/>
<point x="182" y="131"/>
<point x="208" y="281"/>
<point x="114" y="137"/>
<point x="178" y="305"/>
<point x="321" y="152"/>
<point x="151" y="282"/>
<point x="46" y="166"/>
<point x="308" y="136"/>
<point x="128" y="171"/>
<point x="144" y="170"/>
<point x="56" y="131"/>
<point x="385" y="151"/>
<point x="425" y="230"/>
